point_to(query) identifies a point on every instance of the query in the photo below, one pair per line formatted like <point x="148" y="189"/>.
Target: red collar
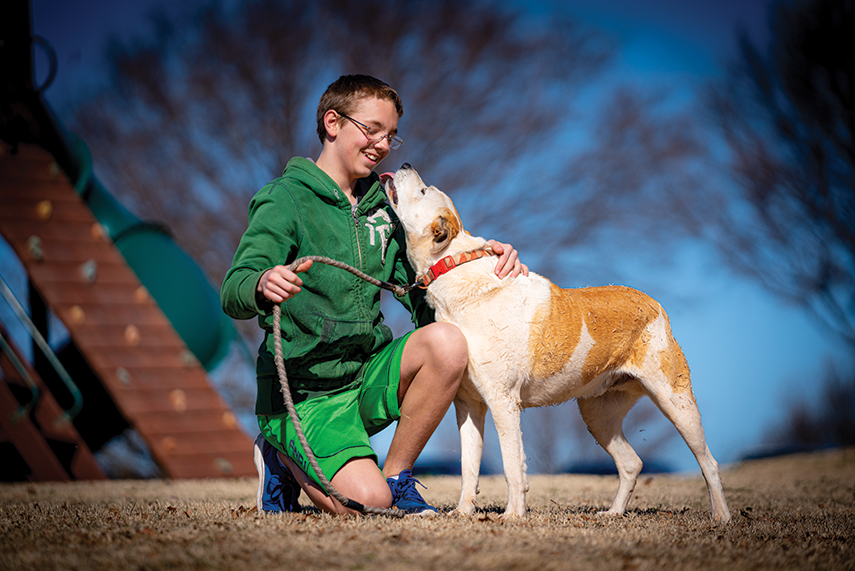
<point x="448" y="263"/>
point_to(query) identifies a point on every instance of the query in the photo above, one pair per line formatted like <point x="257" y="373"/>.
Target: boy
<point x="349" y="379"/>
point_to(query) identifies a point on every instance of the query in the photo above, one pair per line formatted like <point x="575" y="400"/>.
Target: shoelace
<point x="406" y="489"/>
<point x="274" y="488"/>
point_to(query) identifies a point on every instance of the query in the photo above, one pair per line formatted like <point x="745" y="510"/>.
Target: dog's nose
<point x="406" y="166"/>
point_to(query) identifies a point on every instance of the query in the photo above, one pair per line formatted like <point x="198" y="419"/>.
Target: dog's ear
<point x="444" y="228"/>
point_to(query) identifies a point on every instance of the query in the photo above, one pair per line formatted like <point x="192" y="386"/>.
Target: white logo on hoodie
<point x="380" y="224"/>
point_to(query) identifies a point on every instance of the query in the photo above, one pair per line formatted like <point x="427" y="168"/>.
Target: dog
<point x="533" y="344"/>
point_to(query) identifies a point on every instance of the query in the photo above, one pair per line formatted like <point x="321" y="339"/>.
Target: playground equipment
<point x="145" y="325"/>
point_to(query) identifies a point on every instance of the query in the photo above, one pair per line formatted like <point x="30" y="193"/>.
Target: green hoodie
<point x="332" y="326"/>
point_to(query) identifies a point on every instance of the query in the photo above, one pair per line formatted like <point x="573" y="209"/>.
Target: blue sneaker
<point x="407" y="498"/>
<point x="278" y="491"/>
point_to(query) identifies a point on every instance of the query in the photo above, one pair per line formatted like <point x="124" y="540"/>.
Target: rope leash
<point x="286" y="391"/>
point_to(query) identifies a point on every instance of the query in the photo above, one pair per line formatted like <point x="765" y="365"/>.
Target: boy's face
<point x="358" y="153"/>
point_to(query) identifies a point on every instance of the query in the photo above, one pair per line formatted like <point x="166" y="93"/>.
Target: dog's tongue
<point x="393" y="192"/>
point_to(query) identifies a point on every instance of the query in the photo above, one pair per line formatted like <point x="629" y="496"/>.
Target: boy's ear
<point x="331" y="122"/>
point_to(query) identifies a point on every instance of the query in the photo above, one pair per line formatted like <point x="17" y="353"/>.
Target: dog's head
<point x="428" y="215"/>
<point x="430" y="220"/>
<point x="431" y="223"/>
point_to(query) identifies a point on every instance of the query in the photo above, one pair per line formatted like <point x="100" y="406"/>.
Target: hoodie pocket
<point x="343" y="336"/>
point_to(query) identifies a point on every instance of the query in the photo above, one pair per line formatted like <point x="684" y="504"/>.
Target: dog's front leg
<point x="506" y="417"/>
<point x="470" y="422"/>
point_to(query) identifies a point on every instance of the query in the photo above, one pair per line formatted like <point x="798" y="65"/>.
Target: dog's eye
<point x="424" y="189"/>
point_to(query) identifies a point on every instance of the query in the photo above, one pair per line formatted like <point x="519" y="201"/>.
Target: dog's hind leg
<point x="604" y="416"/>
<point x="470" y="422"/>
<point x="682" y="410"/>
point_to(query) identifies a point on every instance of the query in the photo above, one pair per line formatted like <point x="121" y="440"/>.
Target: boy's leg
<point x="432" y="365"/>
<point x="432" y="362"/>
<point x="340" y="442"/>
<point x="360" y="480"/>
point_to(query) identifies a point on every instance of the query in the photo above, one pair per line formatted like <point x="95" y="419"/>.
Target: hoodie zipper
<point x="356" y="229"/>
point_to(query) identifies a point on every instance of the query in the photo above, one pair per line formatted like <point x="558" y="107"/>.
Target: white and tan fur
<point x="532" y="343"/>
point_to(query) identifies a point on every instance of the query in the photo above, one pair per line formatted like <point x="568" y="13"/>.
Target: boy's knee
<point x="376" y="496"/>
<point x="448" y="345"/>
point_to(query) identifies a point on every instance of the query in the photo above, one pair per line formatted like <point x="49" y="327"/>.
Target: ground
<point x="795" y="512"/>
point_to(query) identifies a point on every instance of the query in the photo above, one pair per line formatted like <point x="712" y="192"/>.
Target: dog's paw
<point x="515" y="509"/>
<point x="610" y="513"/>
<point x="465" y="508"/>
<point x="511" y="516"/>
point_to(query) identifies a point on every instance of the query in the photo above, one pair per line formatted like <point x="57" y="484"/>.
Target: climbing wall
<point x="154" y="380"/>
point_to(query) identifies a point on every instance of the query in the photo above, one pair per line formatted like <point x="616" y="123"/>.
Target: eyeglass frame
<point x="366" y="130"/>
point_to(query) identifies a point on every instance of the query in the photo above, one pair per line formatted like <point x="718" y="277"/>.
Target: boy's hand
<point x="509" y="263"/>
<point x="279" y="283"/>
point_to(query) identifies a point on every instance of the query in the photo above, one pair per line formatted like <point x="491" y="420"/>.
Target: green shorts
<point x="338" y="423"/>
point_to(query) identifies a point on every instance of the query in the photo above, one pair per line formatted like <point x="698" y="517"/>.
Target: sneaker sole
<point x="259" y="469"/>
<point x="425" y="513"/>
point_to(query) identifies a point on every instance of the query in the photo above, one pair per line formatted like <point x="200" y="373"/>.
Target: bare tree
<point x="211" y="105"/>
<point x="788" y="119"/>
<point x="210" y="108"/>
<point x="638" y="183"/>
<point x="827" y="421"/>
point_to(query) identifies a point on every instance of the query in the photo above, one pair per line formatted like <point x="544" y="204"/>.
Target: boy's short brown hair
<point x="341" y="96"/>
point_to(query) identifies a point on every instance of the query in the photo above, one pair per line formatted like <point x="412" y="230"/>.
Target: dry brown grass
<point x="788" y="513"/>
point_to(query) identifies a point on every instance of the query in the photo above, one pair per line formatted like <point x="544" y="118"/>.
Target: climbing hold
<point x="34" y="245"/>
<point x="44" y="209"/>
<point x="178" y="398"/>
<point x="132" y="335"/>
<point x="77" y="314"/>
<point x="229" y="420"/>
<point x="124" y="376"/>
<point x="97" y="231"/>
<point x="188" y="358"/>
<point x="89" y="270"/>
<point x="141" y="294"/>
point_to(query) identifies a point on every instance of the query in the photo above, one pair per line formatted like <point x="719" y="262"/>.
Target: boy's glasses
<point x="374" y="135"/>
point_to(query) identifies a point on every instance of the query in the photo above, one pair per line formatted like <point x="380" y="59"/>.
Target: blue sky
<point x="747" y="350"/>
